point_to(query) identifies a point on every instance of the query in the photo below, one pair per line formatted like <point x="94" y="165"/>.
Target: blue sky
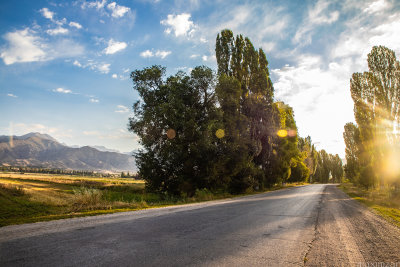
<point x="65" y="65"/>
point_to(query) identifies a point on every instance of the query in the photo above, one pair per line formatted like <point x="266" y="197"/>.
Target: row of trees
<point x="373" y="143"/>
<point x="25" y="169"/>
<point x="222" y="132"/>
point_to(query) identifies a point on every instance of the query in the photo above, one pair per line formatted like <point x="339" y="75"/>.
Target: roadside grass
<point x="383" y="201"/>
<point x="26" y="198"/>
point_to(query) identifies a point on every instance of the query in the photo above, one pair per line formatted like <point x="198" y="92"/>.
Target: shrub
<point x="88" y="199"/>
<point x="203" y="194"/>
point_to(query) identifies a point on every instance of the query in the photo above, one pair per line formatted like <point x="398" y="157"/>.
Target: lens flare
<point x="220" y="133"/>
<point x="171" y="134"/>
<point x="391" y="166"/>
<point x="292" y="133"/>
<point x="282" y="133"/>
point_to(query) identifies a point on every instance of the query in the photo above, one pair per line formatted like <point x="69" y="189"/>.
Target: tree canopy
<point x="372" y="146"/>
<point x="221" y="132"/>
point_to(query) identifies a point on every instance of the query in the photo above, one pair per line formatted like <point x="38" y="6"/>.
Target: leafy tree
<point x="353" y="150"/>
<point x="323" y="171"/>
<point x="238" y="168"/>
<point x="309" y="153"/>
<point x="376" y="96"/>
<point x="336" y="168"/>
<point x="287" y="155"/>
<point x="174" y="120"/>
<point x="237" y="58"/>
<point x="220" y="133"/>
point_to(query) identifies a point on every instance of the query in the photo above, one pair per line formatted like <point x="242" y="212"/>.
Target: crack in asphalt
<point x="316" y="232"/>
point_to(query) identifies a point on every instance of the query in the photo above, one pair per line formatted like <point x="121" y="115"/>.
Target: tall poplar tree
<point x="376" y="96"/>
<point x="237" y="58"/>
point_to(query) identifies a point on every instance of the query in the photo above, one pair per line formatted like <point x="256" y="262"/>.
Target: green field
<point x="383" y="201"/>
<point x="38" y="197"/>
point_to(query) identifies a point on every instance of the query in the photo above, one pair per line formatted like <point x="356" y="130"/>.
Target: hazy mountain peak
<point x="36" y="134"/>
<point x="37" y="149"/>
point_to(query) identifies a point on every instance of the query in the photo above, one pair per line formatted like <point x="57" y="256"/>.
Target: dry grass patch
<point x="384" y="201"/>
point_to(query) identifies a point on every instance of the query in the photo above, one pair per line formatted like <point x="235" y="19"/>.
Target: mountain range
<point x="42" y="150"/>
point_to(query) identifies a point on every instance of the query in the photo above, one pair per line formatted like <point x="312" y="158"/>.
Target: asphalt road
<point x="314" y="225"/>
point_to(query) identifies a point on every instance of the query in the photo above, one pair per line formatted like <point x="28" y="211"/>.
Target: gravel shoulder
<point x="349" y="234"/>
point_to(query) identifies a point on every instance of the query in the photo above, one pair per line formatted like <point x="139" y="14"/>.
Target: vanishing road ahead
<point x="315" y="225"/>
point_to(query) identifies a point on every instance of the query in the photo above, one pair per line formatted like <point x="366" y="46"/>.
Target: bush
<point x="203" y="194"/>
<point x="88" y="199"/>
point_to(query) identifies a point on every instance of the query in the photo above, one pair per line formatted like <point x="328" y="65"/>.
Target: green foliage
<point x="329" y="168"/>
<point x="201" y="132"/>
<point x="88" y="199"/>
<point x="310" y="154"/>
<point x="372" y="144"/>
<point x="175" y="121"/>
<point x="336" y="168"/>
<point x="353" y="150"/>
<point x="26" y="169"/>
<point x="299" y="172"/>
<point x="286" y="154"/>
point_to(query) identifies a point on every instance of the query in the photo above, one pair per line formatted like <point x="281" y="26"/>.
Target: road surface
<point x="315" y="225"/>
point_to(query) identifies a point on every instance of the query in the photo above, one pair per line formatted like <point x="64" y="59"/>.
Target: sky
<point x="65" y="65"/>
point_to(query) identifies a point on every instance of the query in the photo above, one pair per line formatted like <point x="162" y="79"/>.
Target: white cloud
<point x="23" y="46"/>
<point x="93" y="65"/>
<point x="361" y="35"/>
<point x="94" y="4"/>
<point x="194" y="56"/>
<point x="47" y="13"/>
<point x="26" y="46"/>
<point x="62" y="90"/>
<point x="114" y="76"/>
<point x="103" y="68"/>
<point x="180" y="24"/>
<point x="12" y="95"/>
<point x="50" y="15"/>
<point x="122" y="109"/>
<point x="93" y="100"/>
<point x="159" y="53"/>
<point x="318" y="14"/>
<point x="268" y="46"/>
<point x="114" y="47"/>
<point x="146" y="53"/>
<point x="376" y="6"/>
<point x="75" y="24"/>
<point x="263" y="22"/>
<point x="204" y="58"/>
<point x="321" y="15"/>
<point x="117" y="10"/>
<point x="60" y="22"/>
<point x="125" y="70"/>
<point x="162" y="54"/>
<point x="58" y="30"/>
<point x="77" y="63"/>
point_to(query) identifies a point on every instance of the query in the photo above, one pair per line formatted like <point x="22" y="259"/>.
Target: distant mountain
<point x="6" y="138"/>
<point x="105" y="149"/>
<point x="35" y="149"/>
